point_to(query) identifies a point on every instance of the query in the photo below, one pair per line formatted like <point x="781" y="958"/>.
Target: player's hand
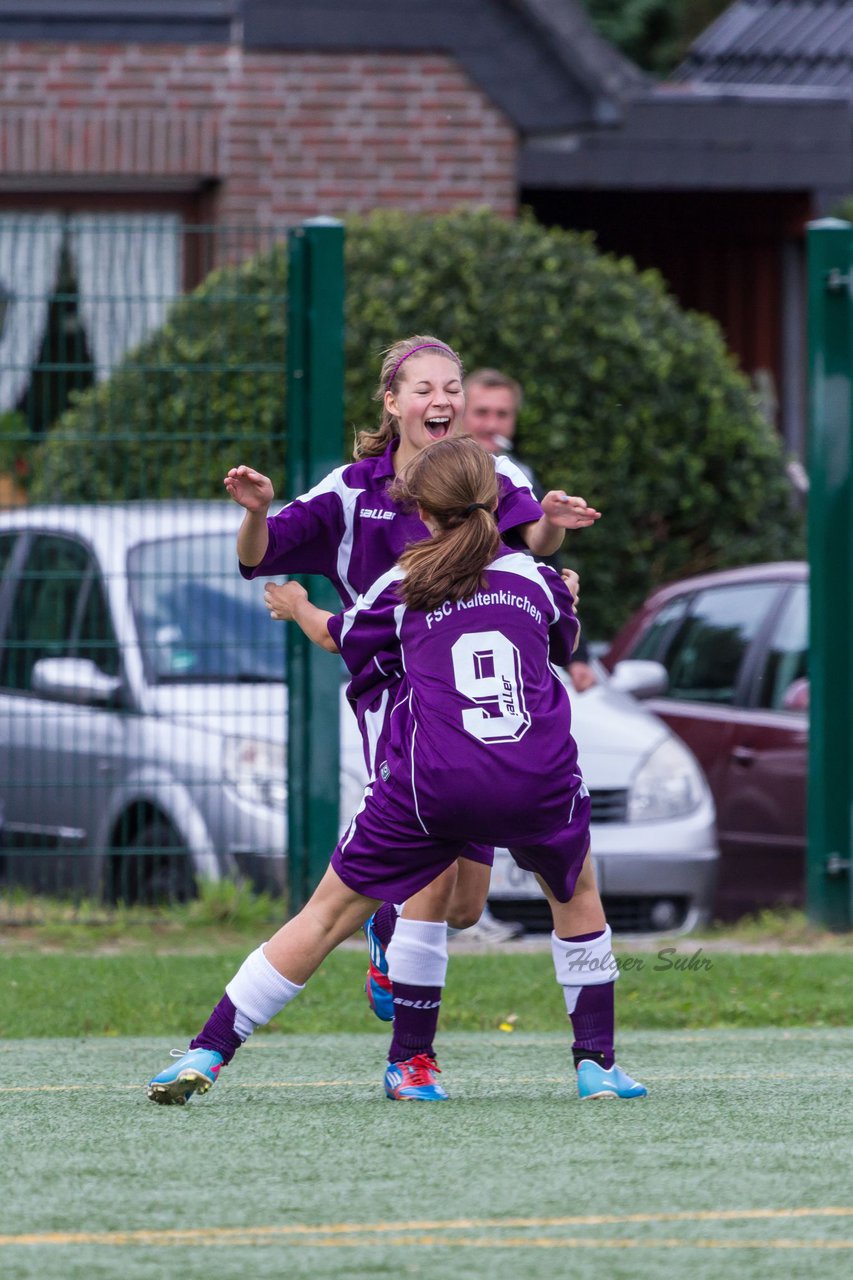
<point x="567" y="512"/>
<point x="282" y="598"/>
<point x="249" y="488"/>
<point x="582" y="676"/>
<point x="573" y="582"/>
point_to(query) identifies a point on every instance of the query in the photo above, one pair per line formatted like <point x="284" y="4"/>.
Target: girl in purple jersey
<point x="478" y="748"/>
<point x="351" y="529"/>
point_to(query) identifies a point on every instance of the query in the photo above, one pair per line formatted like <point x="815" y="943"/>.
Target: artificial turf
<point x="295" y="1165"/>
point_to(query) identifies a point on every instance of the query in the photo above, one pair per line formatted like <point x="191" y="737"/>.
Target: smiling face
<point x="427" y="401"/>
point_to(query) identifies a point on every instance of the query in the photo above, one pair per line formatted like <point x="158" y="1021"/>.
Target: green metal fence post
<point x="830" y="848"/>
<point x="315" y="396"/>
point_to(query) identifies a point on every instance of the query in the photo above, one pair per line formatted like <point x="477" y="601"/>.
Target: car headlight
<point x="669" y="784"/>
<point x="256" y="770"/>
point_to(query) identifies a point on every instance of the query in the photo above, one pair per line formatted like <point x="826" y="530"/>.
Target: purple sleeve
<point x="366" y="635"/>
<point x="304" y="537"/>
<point x="565" y="627"/>
<point x="516" y="503"/>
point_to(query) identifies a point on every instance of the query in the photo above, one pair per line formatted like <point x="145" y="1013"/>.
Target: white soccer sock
<point x="583" y="964"/>
<point x="242" y="1025"/>
<point x="417" y="953"/>
<point x="258" y="992"/>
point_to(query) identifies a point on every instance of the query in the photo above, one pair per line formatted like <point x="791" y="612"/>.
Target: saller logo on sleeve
<point x="376" y="513"/>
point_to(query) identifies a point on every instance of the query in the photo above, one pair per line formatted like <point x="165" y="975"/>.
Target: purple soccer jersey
<point x="478" y="744"/>
<point x="348" y="530"/>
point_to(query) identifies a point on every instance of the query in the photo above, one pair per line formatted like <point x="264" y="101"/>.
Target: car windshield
<point x="197" y="618"/>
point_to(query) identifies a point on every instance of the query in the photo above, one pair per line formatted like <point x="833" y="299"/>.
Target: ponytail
<point x="455" y="482"/>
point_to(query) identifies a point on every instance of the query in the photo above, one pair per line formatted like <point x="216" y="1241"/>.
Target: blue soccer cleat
<point x="414" y="1080"/>
<point x="595" y="1082"/>
<point x="195" y="1071"/>
<point x="377" y="984"/>
<point x="375" y="947"/>
<point x="380" y="994"/>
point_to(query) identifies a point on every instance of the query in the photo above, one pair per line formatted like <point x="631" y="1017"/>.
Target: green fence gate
<point x="829" y="882"/>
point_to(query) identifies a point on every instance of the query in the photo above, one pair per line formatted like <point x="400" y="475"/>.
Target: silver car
<point x="142" y="703"/>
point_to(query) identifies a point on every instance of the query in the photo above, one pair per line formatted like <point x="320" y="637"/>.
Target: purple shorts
<point x="386" y="854"/>
<point x="559" y="857"/>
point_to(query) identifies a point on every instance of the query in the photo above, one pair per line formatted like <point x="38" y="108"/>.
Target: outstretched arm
<point x="288" y="602"/>
<point x="253" y="491"/>
<point x="561" y="512"/>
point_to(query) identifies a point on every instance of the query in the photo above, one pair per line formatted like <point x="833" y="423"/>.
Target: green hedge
<point x="629" y="400"/>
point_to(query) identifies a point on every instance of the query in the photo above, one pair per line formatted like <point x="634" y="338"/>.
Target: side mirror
<point x="640" y="678"/>
<point x="73" y="680"/>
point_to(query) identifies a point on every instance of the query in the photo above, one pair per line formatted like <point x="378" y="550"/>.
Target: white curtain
<point x="29" y="264"/>
<point x="128" y="271"/>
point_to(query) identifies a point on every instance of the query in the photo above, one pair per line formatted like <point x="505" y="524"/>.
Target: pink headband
<point x="425" y="346"/>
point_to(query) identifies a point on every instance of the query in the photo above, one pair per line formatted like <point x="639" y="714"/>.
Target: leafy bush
<point x="629" y="400"/>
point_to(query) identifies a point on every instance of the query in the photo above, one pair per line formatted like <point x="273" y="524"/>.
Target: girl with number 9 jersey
<point x="478" y="744"/>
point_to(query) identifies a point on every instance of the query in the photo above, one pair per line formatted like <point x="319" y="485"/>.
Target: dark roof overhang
<point x="145" y="21"/>
<point x="704" y="139"/>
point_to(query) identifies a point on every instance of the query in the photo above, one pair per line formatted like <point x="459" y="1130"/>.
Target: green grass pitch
<point x="295" y="1165"/>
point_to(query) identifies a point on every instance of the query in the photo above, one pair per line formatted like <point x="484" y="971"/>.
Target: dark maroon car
<point x="735" y="648"/>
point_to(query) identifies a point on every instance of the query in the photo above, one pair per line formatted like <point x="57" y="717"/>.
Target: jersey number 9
<point x="487" y="671"/>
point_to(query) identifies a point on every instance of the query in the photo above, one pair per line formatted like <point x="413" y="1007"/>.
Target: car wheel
<point x="154" y="867"/>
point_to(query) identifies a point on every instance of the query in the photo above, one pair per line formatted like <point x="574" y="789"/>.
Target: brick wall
<point x="282" y="136"/>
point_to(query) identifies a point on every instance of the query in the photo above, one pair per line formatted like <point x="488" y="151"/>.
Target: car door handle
<point x="743" y="755"/>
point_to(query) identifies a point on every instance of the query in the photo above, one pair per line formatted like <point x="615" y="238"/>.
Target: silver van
<point x="142" y="703"/>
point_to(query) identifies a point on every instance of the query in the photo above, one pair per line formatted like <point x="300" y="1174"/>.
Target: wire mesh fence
<point x="142" y="685"/>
